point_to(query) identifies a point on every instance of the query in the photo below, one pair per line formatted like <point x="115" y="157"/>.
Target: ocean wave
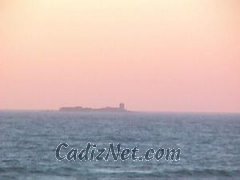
<point x="61" y="173"/>
<point x="203" y="173"/>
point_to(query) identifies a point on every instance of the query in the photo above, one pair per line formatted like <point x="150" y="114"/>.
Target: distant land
<point x="121" y="108"/>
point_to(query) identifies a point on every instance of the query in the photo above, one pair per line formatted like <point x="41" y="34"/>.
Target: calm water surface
<point x="210" y="145"/>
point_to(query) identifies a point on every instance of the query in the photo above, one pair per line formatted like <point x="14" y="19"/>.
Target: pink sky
<point x="154" y="55"/>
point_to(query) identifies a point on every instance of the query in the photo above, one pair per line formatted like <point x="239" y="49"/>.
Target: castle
<point x="121" y="108"/>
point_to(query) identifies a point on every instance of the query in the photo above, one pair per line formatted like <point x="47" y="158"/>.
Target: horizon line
<point x="136" y="111"/>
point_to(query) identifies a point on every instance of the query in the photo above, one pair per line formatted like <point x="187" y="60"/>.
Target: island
<point x="121" y="108"/>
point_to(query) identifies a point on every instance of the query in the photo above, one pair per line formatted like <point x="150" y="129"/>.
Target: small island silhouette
<point x="121" y="108"/>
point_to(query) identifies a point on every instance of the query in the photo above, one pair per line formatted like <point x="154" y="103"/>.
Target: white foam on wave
<point x="47" y="177"/>
<point x="112" y="171"/>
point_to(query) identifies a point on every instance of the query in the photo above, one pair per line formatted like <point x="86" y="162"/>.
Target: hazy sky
<point x="154" y="55"/>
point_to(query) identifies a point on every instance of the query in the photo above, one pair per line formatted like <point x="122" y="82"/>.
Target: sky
<point x="153" y="55"/>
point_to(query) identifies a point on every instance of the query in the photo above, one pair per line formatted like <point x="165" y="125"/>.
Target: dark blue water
<point x="209" y="143"/>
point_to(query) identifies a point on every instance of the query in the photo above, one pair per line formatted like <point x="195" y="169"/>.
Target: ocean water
<point x="209" y="143"/>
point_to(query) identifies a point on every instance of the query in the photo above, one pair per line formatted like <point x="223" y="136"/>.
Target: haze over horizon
<point x="153" y="55"/>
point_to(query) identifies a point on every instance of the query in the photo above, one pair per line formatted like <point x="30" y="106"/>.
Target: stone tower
<point x="122" y="106"/>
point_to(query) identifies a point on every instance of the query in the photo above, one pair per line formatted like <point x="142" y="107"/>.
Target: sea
<point x="209" y="144"/>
